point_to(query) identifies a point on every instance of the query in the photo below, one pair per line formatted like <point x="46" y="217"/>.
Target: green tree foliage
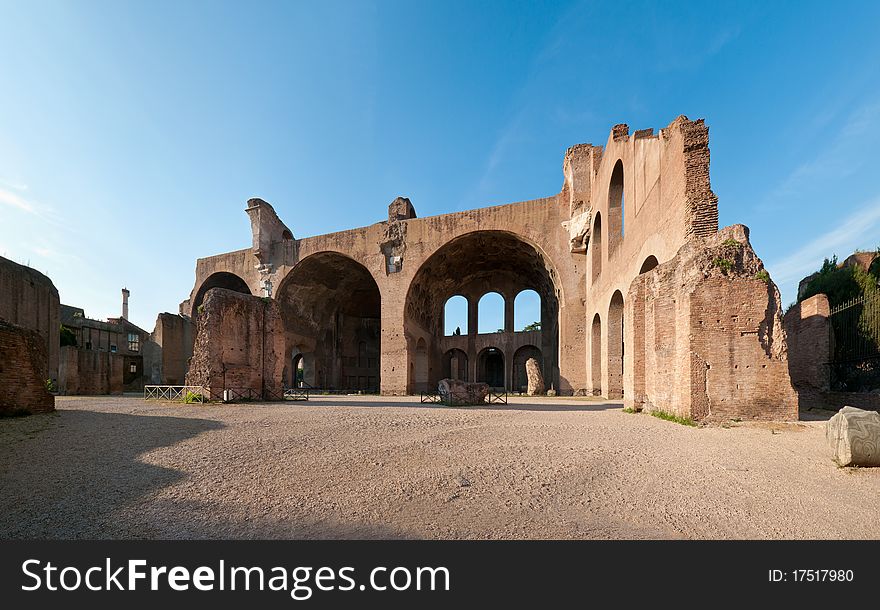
<point x="67" y="336"/>
<point x="532" y="326"/>
<point x="842" y="284"/>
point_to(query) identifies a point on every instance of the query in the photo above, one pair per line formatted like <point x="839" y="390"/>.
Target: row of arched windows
<point x="491" y="315"/>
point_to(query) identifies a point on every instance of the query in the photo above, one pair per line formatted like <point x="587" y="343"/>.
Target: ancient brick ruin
<point x="633" y="301"/>
<point x="29" y="343"/>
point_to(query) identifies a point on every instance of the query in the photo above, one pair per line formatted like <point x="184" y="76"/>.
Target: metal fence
<point x="855" y="344"/>
<point x="493" y="397"/>
<point x="200" y="394"/>
<point x="177" y="393"/>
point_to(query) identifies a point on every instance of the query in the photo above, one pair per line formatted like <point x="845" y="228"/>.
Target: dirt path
<point x="368" y="467"/>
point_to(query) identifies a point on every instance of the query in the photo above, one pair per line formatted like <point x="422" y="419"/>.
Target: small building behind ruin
<point x="105" y="357"/>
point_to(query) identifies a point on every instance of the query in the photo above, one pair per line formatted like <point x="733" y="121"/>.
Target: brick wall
<point x="29" y="299"/>
<point x="167" y="353"/>
<point x="239" y="344"/>
<point x="808" y="329"/>
<point x="708" y="336"/>
<point x="90" y="372"/>
<point x="23" y="371"/>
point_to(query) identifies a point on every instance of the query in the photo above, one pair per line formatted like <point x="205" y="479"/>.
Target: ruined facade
<point x="363" y="309"/>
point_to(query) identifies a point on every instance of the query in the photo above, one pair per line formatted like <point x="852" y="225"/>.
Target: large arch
<point x="221" y="279"/>
<point x="332" y="315"/>
<point x="472" y="265"/>
<point x="615" y="346"/>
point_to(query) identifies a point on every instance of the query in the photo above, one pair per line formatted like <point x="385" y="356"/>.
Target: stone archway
<point x="332" y="308"/>
<point x="473" y="265"/>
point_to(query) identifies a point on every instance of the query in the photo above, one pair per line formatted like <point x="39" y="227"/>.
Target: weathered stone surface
<point x="854" y="437"/>
<point x="706" y="334"/>
<point x="457" y="392"/>
<point x="536" y="379"/>
<point x="23" y="371"/>
<point x="239" y="345"/>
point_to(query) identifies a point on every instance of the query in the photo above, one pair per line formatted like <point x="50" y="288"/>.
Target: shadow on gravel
<point x="63" y="474"/>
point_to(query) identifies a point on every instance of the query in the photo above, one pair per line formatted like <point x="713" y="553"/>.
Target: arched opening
<point x="520" y="378"/>
<point x="490" y="313"/>
<point x="421" y="371"/>
<point x="297" y="372"/>
<point x="596" y="355"/>
<point x="455" y="365"/>
<point x="596" y="247"/>
<point x="527" y="311"/>
<point x="490" y="368"/>
<point x="615" y="346"/>
<point x="455" y="316"/>
<point x="615" y="208"/>
<point x="332" y="311"/>
<point x="649" y="264"/>
<point x="221" y="279"/>
<point x="476" y="264"/>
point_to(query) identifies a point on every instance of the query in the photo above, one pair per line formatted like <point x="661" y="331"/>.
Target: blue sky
<point x="131" y="134"/>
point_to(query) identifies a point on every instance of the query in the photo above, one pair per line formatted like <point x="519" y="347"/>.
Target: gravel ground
<point x="370" y="467"/>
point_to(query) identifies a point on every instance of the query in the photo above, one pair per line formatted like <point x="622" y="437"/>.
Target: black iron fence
<point x="855" y="344"/>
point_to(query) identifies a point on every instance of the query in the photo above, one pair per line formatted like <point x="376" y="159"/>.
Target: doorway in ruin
<point x="490" y="368"/>
<point x="455" y="365"/>
<point x="332" y="320"/>
<point x="615" y="346"/>
<point x="297" y="372"/>
<point x="456" y="277"/>
<point x="520" y="377"/>
<point x="596" y="355"/>
<point x="421" y="368"/>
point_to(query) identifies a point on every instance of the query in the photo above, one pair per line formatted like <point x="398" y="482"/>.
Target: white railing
<point x="180" y="393"/>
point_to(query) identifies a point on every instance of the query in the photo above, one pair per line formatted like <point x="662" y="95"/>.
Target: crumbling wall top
<point x="266" y="227"/>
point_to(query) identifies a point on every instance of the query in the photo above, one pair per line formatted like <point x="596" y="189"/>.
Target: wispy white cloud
<point x="16" y="186"/>
<point x="840" y="159"/>
<point x="14" y="200"/>
<point x="859" y="229"/>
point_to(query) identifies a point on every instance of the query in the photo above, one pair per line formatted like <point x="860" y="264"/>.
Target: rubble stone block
<point x="854" y="437"/>
<point x="536" y="379"/>
<point x="456" y="392"/>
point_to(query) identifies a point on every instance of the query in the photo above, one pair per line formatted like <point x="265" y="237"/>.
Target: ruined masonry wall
<point x="29" y="299"/>
<point x="239" y="344"/>
<point x="23" y="371"/>
<point x="90" y="372"/>
<point x="708" y="337"/>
